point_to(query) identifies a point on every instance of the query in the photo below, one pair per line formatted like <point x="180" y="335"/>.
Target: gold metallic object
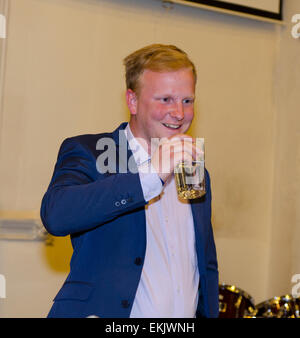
<point x="235" y="303"/>
<point x="285" y="306"/>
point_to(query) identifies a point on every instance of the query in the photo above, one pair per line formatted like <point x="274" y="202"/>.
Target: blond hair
<point x="155" y="57"/>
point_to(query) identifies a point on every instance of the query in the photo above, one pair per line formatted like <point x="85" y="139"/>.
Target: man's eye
<point x="165" y="99"/>
<point x="188" y="101"/>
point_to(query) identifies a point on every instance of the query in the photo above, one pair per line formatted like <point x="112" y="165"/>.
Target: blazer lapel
<point x="126" y="163"/>
<point x="124" y="155"/>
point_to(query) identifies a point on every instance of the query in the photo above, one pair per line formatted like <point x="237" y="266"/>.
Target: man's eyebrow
<point x="172" y="95"/>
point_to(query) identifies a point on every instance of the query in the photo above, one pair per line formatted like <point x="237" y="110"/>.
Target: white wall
<point x="64" y="76"/>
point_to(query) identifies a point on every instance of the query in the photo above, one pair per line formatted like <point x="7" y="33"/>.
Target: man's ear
<point x="131" y="99"/>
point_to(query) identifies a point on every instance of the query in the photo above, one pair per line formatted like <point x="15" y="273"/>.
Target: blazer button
<point x="125" y="304"/>
<point x="138" y="261"/>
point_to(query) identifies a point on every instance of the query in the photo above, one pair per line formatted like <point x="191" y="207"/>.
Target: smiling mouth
<point x="171" y="126"/>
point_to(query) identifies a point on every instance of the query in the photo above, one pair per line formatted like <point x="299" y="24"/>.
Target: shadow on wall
<point x="58" y="252"/>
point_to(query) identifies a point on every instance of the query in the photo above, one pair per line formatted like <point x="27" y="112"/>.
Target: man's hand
<point x="170" y="152"/>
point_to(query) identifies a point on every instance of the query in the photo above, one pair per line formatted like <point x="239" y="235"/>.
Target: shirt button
<point x="125" y="303"/>
<point x="123" y="202"/>
<point x="138" y="261"/>
<point x="117" y="204"/>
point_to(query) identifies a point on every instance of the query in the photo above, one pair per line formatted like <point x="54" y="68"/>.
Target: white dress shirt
<point x="168" y="287"/>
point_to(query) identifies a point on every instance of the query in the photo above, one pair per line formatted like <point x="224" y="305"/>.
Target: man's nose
<point x="177" y="111"/>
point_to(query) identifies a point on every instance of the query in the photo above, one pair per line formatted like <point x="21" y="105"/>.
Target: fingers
<point x="171" y="151"/>
<point x="185" y="145"/>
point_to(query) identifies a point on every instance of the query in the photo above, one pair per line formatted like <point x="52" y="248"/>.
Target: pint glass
<point x="190" y="178"/>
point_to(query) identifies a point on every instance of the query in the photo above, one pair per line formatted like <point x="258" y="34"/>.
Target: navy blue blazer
<point x="104" y="214"/>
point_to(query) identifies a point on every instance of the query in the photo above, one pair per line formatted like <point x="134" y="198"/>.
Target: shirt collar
<point x="140" y="154"/>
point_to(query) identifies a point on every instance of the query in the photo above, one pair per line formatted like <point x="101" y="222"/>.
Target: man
<point x="139" y="251"/>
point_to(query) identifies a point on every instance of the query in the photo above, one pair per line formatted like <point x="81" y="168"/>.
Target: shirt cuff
<point x="151" y="183"/>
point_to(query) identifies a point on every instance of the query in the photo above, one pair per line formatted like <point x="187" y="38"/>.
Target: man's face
<point x="164" y="106"/>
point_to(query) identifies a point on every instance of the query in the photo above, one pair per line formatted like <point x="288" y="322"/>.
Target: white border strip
<point x="4" y="9"/>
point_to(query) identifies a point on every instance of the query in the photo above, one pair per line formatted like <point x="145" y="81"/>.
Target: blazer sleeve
<point x="78" y="200"/>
